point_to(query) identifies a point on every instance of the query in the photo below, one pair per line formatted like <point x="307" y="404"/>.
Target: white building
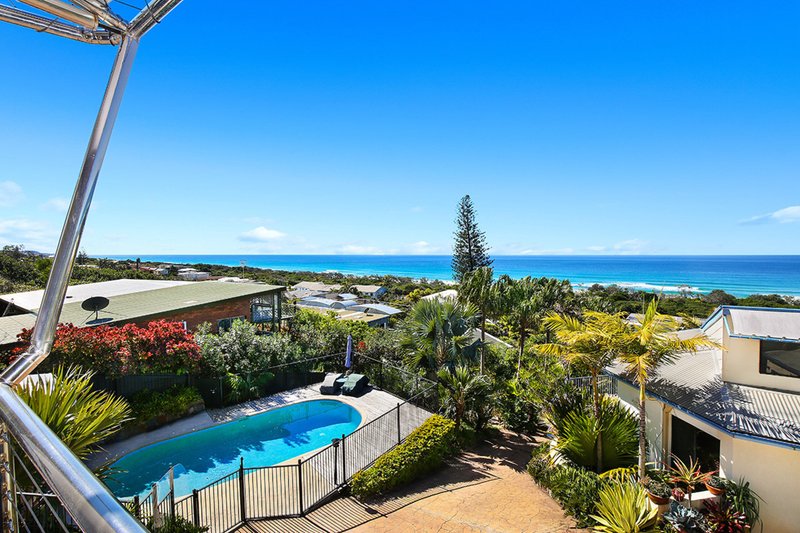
<point x="370" y="291"/>
<point x="736" y="409"/>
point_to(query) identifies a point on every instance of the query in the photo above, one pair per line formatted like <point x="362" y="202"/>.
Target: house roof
<point x="32" y="300"/>
<point x="758" y="322"/>
<point x="693" y="383"/>
<point x="381" y="309"/>
<point x="442" y="295"/>
<point x="141" y="305"/>
<point x="367" y="288"/>
<point x="316" y="286"/>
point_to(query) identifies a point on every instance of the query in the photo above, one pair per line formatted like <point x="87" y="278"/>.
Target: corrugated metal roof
<point x="758" y="322"/>
<point x="31" y="300"/>
<point x="382" y="309"/>
<point x="694" y="383"/>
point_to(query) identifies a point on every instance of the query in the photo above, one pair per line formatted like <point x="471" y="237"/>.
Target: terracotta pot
<point x="658" y="500"/>
<point x="715" y="490"/>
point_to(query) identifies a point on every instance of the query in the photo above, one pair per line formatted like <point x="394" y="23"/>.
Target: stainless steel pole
<point x="89" y="502"/>
<point x="53" y="300"/>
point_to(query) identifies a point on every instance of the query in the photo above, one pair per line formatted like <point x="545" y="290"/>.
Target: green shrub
<point x="423" y="451"/>
<point x="624" y="508"/>
<point x="619" y="428"/>
<point x="173" y="402"/>
<point x="576" y="489"/>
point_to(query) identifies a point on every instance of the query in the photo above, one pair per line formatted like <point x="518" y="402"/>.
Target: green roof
<point x="153" y="303"/>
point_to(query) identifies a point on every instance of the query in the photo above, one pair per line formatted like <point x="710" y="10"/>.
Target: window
<point x="226" y="323"/>
<point x="780" y="358"/>
<point x="690" y="443"/>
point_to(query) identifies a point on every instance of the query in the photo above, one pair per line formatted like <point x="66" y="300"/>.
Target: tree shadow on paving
<point x="504" y="448"/>
<point x="471" y="468"/>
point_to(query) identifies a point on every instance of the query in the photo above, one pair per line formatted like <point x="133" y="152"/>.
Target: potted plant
<point x="686" y="476"/>
<point x="714" y="484"/>
<point x="744" y="500"/>
<point x="658" y="491"/>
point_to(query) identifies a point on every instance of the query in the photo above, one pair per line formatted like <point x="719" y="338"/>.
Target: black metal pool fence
<point x="294" y="489"/>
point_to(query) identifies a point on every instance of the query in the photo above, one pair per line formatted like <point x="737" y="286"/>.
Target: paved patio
<point x="487" y="490"/>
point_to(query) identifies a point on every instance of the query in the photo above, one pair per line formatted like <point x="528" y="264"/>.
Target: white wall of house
<point x="741" y="365"/>
<point x="655" y="421"/>
<point x="774" y="473"/>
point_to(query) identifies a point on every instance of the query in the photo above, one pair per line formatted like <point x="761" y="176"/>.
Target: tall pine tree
<point x="470" y="250"/>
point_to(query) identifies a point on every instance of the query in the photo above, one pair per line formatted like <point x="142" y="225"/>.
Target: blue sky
<point x="355" y="127"/>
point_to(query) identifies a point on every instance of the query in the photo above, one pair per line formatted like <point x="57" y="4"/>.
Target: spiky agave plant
<point x="623" y="508"/>
<point x="80" y="415"/>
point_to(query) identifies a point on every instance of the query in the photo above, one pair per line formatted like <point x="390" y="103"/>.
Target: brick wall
<point x="209" y="313"/>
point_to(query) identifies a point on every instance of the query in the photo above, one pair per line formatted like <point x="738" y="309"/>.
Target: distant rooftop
<point x="451" y="294"/>
<point x="32" y="300"/>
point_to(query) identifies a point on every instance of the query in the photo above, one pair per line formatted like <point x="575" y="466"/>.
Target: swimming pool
<point x="204" y="456"/>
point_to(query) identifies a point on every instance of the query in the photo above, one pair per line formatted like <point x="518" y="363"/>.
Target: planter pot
<point x="658" y="500"/>
<point x="715" y="490"/>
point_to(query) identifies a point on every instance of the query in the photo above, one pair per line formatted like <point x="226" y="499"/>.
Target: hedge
<point x="422" y="452"/>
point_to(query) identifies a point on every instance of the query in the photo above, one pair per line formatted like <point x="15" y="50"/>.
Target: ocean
<point x="738" y="275"/>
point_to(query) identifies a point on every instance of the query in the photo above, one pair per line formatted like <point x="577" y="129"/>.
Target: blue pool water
<point x="262" y="440"/>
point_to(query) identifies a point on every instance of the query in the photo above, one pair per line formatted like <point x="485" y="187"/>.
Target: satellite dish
<point x="95" y="304"/>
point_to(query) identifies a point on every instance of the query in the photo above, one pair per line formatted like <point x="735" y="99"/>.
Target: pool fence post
<point x="172" y="490"/>
<point x="399" y="439"/>
<point x="195" y="507"/>
<point x="335" y="444"/>
<point x="157" y="522"/>
<point x="344" y="463"/>
<point x="300" y="484"/>
<point x="242" y="509"/>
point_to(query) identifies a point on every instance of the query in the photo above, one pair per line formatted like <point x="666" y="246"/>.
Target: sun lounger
<point x="331" y="384"/>
<point x="355" y="385"/>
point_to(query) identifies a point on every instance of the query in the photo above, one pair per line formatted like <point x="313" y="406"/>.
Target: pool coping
<point x="214" y="417"/>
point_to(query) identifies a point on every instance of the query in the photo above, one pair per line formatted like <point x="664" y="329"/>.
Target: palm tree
<point x="81" y="416"/>
<point x="436" y="333"/>
<point x="478" y="289"/>
<point x="556" y="296"/>
<point x="462" y="388"/>
<point x="521" y="307"/>
<point x="587" y="342"/>
<point x="644" y="348"/>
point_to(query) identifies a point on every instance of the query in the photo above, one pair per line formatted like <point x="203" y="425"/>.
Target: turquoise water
<point x="262" y="440"/>
<point x="739" y="275"/>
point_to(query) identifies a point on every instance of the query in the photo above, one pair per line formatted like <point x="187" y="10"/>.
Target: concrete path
<point x="487" y="490"/>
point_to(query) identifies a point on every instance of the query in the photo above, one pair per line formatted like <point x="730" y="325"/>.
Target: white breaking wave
<point x="644" y="286"/>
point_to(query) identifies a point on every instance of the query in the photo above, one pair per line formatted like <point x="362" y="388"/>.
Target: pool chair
<point x="332" y="384"/>
<point x="355" y="385"/>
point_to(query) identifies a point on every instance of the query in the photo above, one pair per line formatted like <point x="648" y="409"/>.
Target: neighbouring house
<point x="192" y="274"/>
<point x="736" y="408"/>
<point x="142" y="301"/>
<point x="369" y="291"/>
<point x="316" y="286"/>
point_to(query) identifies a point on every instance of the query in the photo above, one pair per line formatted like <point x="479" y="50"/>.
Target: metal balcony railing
<point x="45" y="487"/>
